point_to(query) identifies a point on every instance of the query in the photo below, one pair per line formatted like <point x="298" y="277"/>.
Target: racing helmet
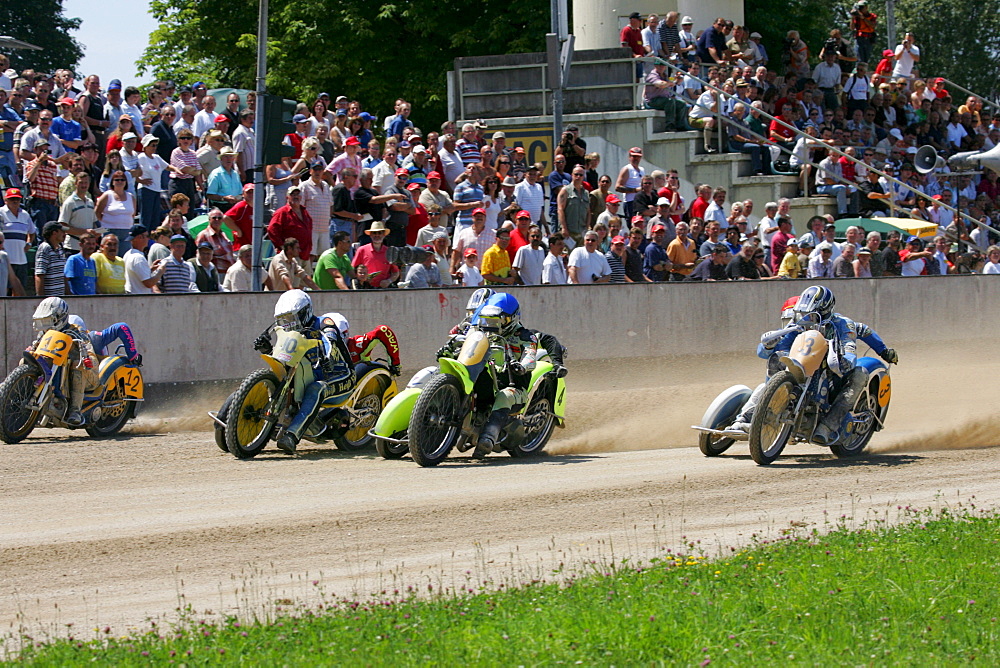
<point x="509" y="312"/>
<point x="815" y="299"/>
<point x="336" y="320"/>
<point x="78" y="322"/>
<point x="52" y="313"/>
<point x="478" y="298"/>
<point x="788" y="310"/>
<point x="294" y="310"/>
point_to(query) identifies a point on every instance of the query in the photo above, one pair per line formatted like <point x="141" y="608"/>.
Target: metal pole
<point x="555" y="82"/>
<point x="259" y="171"/>
<point x="890" y="23"/>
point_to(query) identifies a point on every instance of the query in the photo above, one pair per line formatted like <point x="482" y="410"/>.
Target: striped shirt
<point x="16" y="230"/>
<point x="317" y="198"/>
<point x="180" y="158"/>
<point x="44" y="183"/>
<point x="178" y="276"/>
<point x="465" y="192"/>
<point x="469" y="150"/>
<point x="617" y="267"/>
<point x="50" y="263"/>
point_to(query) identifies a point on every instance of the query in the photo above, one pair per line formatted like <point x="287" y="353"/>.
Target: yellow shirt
<point x="496" y="262"/>
<point x="790" y="266"/>
<point x="110" y="275"/>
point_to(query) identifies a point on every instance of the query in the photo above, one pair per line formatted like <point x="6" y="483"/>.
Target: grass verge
<point x="923" y="590"/>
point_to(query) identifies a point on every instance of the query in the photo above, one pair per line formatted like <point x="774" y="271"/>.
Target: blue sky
<point x="113" y="37"/>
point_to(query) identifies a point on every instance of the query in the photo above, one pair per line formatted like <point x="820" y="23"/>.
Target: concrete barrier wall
<point x="209" y="337"/>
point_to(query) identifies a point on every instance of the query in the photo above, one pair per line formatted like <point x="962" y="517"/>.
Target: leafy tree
<point x="42" y="23"/>
<point x="813" y="20"/>
<point x="370" y="51"/>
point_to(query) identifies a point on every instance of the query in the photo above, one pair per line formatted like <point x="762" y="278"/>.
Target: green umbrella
<point x="905" y="226"/>
<point x="196" y="225"/>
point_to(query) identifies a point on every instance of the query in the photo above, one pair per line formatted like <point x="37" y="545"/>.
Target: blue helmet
<point x="510" y="312"/>
<point x="816" y="299"/>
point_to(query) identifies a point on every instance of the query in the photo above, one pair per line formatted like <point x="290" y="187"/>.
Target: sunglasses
<point x="434" y="215"/>
<point x="215" y="217"/>
<point x="119" y="181"/>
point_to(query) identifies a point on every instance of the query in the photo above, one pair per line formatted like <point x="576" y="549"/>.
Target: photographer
<point x="572" y="147"/>
<point x="42" y="175"/>
<point x="863" y="23"/>
<point x="907" y="55"/>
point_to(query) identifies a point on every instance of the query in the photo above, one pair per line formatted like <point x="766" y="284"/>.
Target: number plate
<point x="55" y="346"/>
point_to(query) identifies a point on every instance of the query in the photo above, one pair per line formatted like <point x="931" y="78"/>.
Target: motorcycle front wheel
<point x="114" y="413"/>
<point x="539" y="421"/>
<point x="17" y="393"/>
<point x="368" y="406"/>
<point x="771" y="426"/>
<point x="247" y="432"/>
<point x="436" y="421"/>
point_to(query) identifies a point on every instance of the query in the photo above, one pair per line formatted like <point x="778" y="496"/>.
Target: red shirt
<point x="698" y="207"/>
<point x="284" y="224"/>
<point x="374" y="261"/>
<point x="633" y="38"/>
<point x="669" y="194"/>
<point x="242" y="215"/>
<point x="781" y="130"/>
<point x="295" y="141"/>
<point x="417" y="220"/>
<point x="516" y="241"/>
<point x="45" y="182"/>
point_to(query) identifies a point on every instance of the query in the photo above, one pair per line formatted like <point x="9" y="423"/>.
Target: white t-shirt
<point x="765" y="237"/>
<point x="528" y="262"/>
<point x="471" y="278"/>
<point x="136" y="271"/>
<point x="991" y="268"/>
<point x="703" y="107"/>
<point x="152" y="168"/>
<point x="589" y="265"/>
<point x="904" y="61"/>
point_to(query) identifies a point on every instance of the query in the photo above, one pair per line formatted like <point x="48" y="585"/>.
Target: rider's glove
<point x="517" y="368"/>
<point x="263" y="344"/>
<point x="444" y="351"/>
<point x="137" y="360"/>
<point x="394" y="369"/>
<point x="890" y="356"/>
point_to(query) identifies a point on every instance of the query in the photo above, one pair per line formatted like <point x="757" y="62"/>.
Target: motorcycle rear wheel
<point x="18" y="390"/>
<point x="858" y="440"/>
<point x="367" y="398"/>
<point x="538" y="411"/>
<point x="771" y="428"/>
<point x="435" y="423"/>
<point x="114" y="414"/>
<point x="247" y="432"/>
<point x="223" y="415"/>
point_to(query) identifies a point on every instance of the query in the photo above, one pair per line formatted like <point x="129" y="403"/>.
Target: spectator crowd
<point x="102" y="183"/>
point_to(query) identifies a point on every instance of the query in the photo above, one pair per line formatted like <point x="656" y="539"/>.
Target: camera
<point x="830" y="45"/>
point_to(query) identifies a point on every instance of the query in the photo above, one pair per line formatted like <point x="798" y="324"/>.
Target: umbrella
<point x="905" y="226"/>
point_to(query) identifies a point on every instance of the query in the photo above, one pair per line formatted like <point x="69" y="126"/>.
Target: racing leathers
<point x="521" y="352"/>
<point x="842" y="333"/>
<point x="333" y="374"/>
<point x="548" y="342"/>
<point x="80" y="368"/>
<point x="360" y="347"/>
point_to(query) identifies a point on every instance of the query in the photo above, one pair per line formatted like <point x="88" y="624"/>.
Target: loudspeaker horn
<point x="927" y="160"/>
<point x="972" y="159"/>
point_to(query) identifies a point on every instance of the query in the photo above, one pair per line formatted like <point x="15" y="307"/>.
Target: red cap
<point x="67" y="100"/>
<point x="428" y="247"/>
<point x="12" y="193"/>
<point x="415" y="186"/>
<point x="402" y="171"/>
<point x="612" y="199"/>
<point x="518" y="149"/>
<point x="352" y="141"/>
<point x="523" y="214"/>
<point x="479" y="210"/>
<point x="470" y="251"/>
<point x="637" y="218"/>
<point x="434" y="175"/>
<point x="939" y="80"/>
<point x="635" y="150"/>
<point x="658" y="227"/>
<point x="937" y="197"/>
<point x="620" y="239"/>
<point x="221" y="119"/>
<point x="247" y="187"/>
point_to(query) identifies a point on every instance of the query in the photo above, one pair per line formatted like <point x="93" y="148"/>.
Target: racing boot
<point x="828" y="429"/>
<point x="491" y="432"/>
<point x="742" y="421"/>
<point x="311" y="400"/>
<point x="288" y="442"/>
<point x="74" y="418"/>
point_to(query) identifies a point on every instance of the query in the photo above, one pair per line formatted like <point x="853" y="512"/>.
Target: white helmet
<point x="293" y="310"/>
<point x="478" y="298"/>
<point x="78" y="322"/>
<point x="52" y="313"/>
<point x="336" y="320"/>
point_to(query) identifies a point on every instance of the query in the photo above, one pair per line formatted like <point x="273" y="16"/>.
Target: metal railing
<point x="722" y="119"/>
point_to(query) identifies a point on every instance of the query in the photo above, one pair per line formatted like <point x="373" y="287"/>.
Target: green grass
<point x="924" y="591"/>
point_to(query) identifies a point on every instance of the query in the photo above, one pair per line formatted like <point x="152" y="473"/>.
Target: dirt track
<point x="112" y="533"/>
